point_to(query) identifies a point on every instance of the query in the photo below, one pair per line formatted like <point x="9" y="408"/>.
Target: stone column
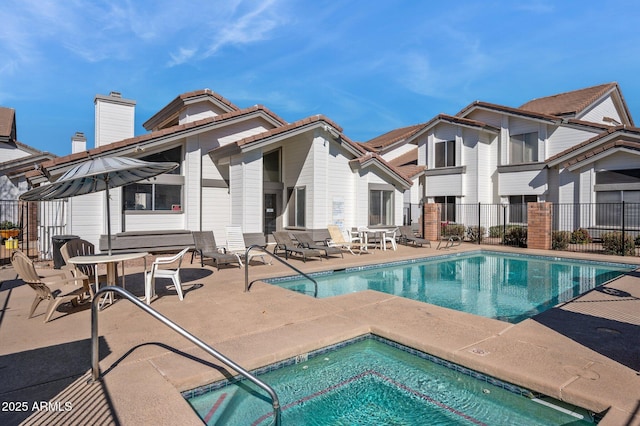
<point x="539" y="226"/>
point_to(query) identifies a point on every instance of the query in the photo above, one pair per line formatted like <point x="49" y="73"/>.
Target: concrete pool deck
<point x="585" y="352"/>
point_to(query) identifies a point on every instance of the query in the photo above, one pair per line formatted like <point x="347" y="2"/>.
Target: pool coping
<point x="146" y="363"/>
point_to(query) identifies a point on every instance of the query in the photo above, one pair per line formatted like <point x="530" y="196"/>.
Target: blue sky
<point x="371" y="66"/>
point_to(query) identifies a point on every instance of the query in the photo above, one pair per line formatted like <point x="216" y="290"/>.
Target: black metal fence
<point x="606" y="228"/>
<point x="504" y="224"/>
<point x="30" y="226"/>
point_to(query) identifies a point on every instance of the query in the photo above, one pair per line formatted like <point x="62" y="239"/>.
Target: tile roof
<point x="157" y="135"/>
<point x="568" y="103"/>
<point x="173" y="108"/>
<point x="393" y="136"/>
<point x="617" y="143"/>
<point x="505" y="109"/>
<point x="454" y="119"/>
<point x="288" y="127"/>
<point x="363" y="156"/>
<point x="409" y="157"/>
<point x="617" y="134"/>
<point x="7" y="120"/>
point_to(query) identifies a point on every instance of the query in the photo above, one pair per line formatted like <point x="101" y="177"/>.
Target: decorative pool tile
<point x="293" y="360"/>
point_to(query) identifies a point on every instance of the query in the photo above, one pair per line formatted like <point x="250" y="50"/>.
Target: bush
<point x="612" y="243"/>
<point x="452" y="229"/>
<point x="560" y="240"/>
<point x="496" y="231"/>
<point x="474" y="234"/>
<point x="8" y="225"/>
<point x="637" y="241"/>
<point x="580" y="236"/>
<point x="515" y="236"/>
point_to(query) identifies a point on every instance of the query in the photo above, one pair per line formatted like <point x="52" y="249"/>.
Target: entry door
<point x="270" y="213"/>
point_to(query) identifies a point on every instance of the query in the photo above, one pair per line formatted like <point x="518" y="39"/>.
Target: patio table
<point x="111" y="262"/>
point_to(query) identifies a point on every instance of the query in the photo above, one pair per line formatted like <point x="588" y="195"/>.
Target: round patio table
<point x="111" y="262"/>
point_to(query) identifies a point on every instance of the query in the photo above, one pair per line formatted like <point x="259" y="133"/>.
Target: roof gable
<point x="568" y="103"/>
<point x="131" y="145"/>
<point x="362" y="157"/>
<point x="169" y="115"/>
<point x="8" y="131"/>
<point x="384" y="141"/>
<point x="618" y="138"/>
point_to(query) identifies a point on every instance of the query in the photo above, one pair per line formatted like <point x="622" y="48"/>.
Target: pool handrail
<point x="95" y="369"/>
<point x="247" y="284"/>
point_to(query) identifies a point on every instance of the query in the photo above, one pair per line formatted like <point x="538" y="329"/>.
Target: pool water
<point x="371" y="382"/>
<point x="491" y="284"/>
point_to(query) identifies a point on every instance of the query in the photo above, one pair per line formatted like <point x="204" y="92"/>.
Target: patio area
<point x="575" y="352"/>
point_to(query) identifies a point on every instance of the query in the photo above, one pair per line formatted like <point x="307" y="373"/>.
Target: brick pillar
<point x="431" y="221"/>
<point x="539" y="226"/>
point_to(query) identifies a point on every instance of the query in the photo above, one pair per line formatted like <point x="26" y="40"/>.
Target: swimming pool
<point x="370" y="380"/>
<point x="509" y="287"/>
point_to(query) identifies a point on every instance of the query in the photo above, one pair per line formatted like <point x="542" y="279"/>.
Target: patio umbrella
<point x="98" y="174"/>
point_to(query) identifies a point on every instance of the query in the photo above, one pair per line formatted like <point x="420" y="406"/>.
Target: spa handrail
<point x="175" y="327"/>
<point x="247" y="284"/>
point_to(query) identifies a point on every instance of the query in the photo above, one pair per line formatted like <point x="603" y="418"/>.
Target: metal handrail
<point x="175" y="327"/>
<point x="247" y="284"/>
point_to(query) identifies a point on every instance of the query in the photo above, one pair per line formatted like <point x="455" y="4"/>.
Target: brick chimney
<point x="114" y="118"/>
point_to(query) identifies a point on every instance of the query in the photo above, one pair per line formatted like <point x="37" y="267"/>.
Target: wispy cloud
<point x="253" y="25"/>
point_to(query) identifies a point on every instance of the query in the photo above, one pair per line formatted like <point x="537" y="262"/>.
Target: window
<point x="271" y="166"/>
<point x="523" y="148"/>
<point x="297" y="206"/>
<point x="518" y="207"/>
<point x="448" y="211"/>
<point x="609" y="208"/>
<point x="445" y="154"/>
<point x="164" y="194"/>
<point x="380" y="207"/>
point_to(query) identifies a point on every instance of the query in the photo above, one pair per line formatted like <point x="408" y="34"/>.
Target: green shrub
<point x="452" y="229"/>
<point x="8" y="225"/>
<point x="612" y="243"/>
<point x="580" y="236"/>
<point x="476" y="234"/>
<point x="515" y="236"/>
<point x="560" y="240"/>
<point x="496" y="231"/>
<point x="637" y="240"/>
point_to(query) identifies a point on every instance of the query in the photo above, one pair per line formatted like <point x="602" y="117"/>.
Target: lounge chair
<point x="338" y="239"/>
<point x="306" y="241"/>
<point x="408" y="237"/>
<point x="236" y="244"/>
<point x="205" y="246"/>
<point x="57" y="290"/>
<point x="289" y="247"/>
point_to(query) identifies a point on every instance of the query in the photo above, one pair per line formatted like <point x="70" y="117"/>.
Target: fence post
<point x="539" y="225"/>
<point x="504" y="221"/>
<point x="622" y="243"/>
<point x="479" y="227"/>
<point x="431" y="221"/>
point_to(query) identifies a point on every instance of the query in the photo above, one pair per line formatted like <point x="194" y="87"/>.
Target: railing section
<point x="95" y="369"/>
<point x="247" y="284"/>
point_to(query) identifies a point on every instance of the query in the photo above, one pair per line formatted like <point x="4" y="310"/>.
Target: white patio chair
<point x="389" y="237"/>
<point x="157" y="272"/>
<point x="237" y="245"/>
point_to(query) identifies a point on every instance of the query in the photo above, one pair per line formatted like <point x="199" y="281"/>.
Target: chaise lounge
<point x="285" y="244"/>
<point x="407" y="237"/>
<point x="307" y="241"/>
<point x="205" y="246"/>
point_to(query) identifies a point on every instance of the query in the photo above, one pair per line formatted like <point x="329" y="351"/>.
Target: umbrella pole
<point x="108" y="220"/>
